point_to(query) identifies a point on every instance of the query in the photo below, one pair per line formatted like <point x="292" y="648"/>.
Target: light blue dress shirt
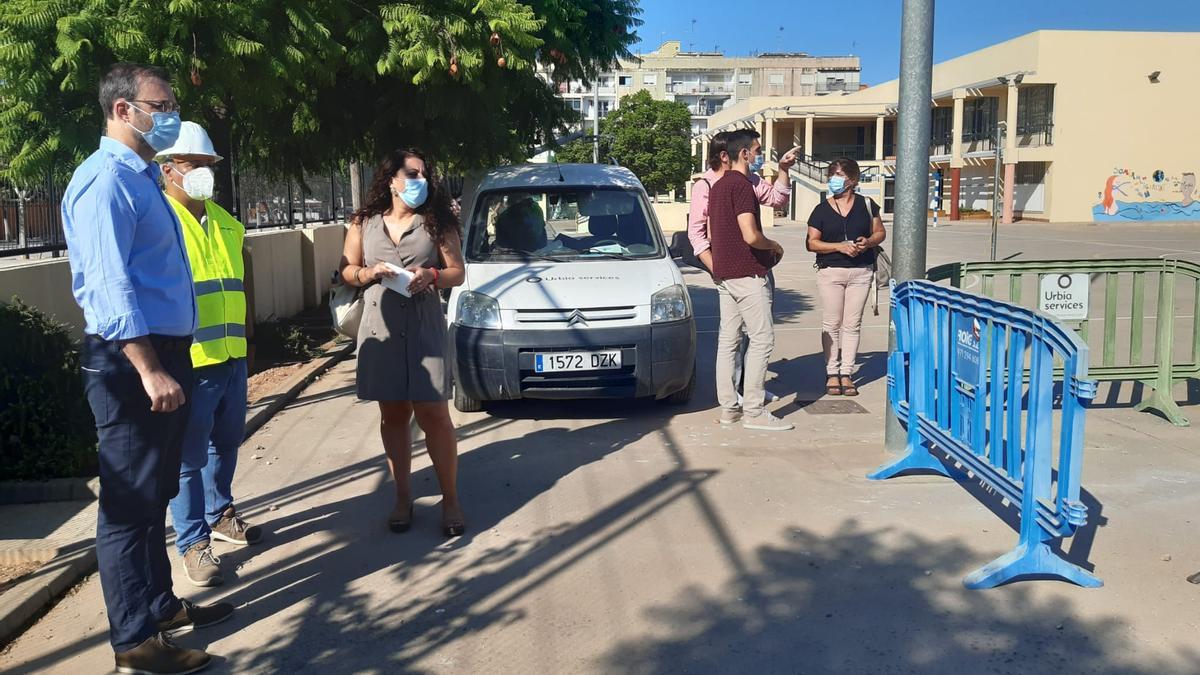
<point x="129" y="264"/>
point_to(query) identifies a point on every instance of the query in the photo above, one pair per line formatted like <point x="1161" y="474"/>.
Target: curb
<point x="20" y="605"/>
<point x="295" y="385"/>
<point x="53" y="490"/>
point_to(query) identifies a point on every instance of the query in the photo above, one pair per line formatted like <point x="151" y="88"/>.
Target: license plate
<point x="558" y="362"/>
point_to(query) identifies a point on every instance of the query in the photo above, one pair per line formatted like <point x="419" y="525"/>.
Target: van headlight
<point x="476" y="310"/>
<point x="670" y="304"/>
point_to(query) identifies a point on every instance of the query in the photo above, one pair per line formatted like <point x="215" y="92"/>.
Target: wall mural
<point x="1128" y="195"/>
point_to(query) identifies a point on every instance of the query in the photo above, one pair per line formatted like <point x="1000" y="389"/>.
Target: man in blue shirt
<point x="130" y="275"/>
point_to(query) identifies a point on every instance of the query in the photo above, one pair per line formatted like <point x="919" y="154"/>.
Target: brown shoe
<point x="232" y="529"/>
<point x="201" y="566"/>
<point x="192" y="616"/>
<point x="159" y="656"/>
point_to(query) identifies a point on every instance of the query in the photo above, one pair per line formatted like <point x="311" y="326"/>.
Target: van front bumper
<point x="497" y="365"/>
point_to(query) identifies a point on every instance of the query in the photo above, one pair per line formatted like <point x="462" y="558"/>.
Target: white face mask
<point x="199" y="183"/>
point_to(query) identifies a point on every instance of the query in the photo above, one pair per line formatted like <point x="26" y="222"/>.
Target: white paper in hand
<point x="400" y="282"/>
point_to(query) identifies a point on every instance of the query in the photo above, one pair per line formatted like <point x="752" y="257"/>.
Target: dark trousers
<point x="140" y="455"/>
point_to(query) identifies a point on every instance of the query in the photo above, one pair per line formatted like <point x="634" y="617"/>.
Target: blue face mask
<point x="756" y="164"/>
<point x="837" y="185"/>
<point x="416" y="191"/>
<point x="164" y="130"/>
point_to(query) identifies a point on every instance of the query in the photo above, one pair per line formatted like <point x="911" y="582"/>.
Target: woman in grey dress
<point x="407" y="221"/>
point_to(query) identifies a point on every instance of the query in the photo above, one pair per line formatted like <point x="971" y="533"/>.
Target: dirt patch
<point x="10" y="574"/>
<point x="267" y="382"/>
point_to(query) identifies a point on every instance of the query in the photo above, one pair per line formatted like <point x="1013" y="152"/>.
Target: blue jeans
<point x="139" y="464"/>
<point x="214" y="432"/>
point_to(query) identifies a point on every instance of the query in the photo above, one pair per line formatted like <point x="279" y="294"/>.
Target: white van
<point x="570" y="292"/>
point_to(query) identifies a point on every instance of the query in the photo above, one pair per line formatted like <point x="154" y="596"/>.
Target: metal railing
<point x="1122" y="353"/>
<point x="31" y="218"/>
<point x="1035" y="135"/>
<point x="957" y="380"/>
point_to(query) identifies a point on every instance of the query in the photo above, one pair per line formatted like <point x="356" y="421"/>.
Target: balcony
<point x="1035" y="135"/>
<point x="859" y="153"/>
<point x="700" y="88"/>
<point x="704" y="110"/>
<point x="941" y="145"/>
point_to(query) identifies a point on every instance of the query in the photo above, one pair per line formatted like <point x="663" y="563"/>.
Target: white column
<point x="879" y="138"/>
<point x="809" y="122"/>
<point x="956" y="153"/>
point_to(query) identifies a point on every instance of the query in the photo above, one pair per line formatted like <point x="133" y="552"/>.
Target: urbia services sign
<point x="1064" y="296"/>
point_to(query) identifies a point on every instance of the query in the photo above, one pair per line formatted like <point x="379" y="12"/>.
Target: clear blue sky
<point x="870" y="29"/>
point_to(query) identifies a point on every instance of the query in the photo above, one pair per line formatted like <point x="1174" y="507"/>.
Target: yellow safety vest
<point x="218" y="277"/>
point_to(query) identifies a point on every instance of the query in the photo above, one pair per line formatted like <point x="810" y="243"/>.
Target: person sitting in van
<point x="521" y="227"/>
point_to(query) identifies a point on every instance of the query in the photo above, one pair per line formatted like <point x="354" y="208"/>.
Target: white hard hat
<point x="193" y="140"/>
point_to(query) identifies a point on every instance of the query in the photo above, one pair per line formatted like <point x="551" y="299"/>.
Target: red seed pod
<point x="453" y="70"/>
<point x="502" y="62"/>
<point x="495" y="39"/>
<point x="196" y="79"/>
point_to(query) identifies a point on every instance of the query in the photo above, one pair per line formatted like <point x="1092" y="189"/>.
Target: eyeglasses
<point x="158" y="106"/>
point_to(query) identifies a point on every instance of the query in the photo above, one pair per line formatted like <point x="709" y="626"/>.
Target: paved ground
<point x="628" y="537"/>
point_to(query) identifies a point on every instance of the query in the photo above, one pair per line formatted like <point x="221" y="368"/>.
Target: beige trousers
<point x="843" y="292"/>
<point x="745" y="306"/>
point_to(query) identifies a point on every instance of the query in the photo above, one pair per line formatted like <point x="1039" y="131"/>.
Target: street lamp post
<point x="1000" y="133"/>
<point x="912" y="166"/>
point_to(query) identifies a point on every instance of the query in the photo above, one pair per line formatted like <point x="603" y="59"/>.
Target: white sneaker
<point x="730" y="416"/>
<point x="766" y="422"/>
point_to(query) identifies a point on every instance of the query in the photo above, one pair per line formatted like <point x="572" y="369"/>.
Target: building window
<point x="744" y="78"/>
<point x="625" y="80"/>
<point x="1035" y="115"/>
<point x="576" y="104"/>
<point x="650" y="79"/>
<point x="1031" y="173"/>
<point x="941" y="135"/>
<point x="979" y="120"/>
<point x="604" y="106"/>
<point x="775" y="79"/>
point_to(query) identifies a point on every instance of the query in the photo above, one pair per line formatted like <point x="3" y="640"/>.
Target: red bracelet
<point x="435" y="276"/>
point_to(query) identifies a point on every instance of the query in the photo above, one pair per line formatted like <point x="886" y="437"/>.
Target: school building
<point x="1086" y="126"/>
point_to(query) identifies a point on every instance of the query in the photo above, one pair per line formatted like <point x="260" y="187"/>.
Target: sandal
<point x="453" y="526"/>
<point x="848" y="388"/>
<point x="398" y="523"/>
<point x="833" y="389"/>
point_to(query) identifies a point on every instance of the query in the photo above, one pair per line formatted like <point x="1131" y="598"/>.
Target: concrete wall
<point x="320" y="253"/>
<point x="278" y="273"/>
<point x="289" y="272"/>
<point x="43" y="284"/>
<point x="1114" y="130"/>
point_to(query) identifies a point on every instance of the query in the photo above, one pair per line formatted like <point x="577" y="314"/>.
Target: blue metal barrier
<point x="957" y="381"/>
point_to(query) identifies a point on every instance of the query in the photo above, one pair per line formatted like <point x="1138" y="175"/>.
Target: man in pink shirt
<point x="769" y="194"/>
<point x="773" y="195"/>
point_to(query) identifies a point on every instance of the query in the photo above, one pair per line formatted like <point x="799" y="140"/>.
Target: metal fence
<point x="30" y="218"/>
<point x="261" y="202"/>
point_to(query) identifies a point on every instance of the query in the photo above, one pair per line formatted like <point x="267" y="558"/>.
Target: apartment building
<point x="1086" y="126"/>
<point x="709" y="82"/>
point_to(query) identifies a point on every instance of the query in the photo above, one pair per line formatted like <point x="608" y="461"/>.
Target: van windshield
<point x="562" y="225"/>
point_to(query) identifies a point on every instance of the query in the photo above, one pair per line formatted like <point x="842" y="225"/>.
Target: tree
<point x="651" y="138"/>
<point x="287" y="86"/>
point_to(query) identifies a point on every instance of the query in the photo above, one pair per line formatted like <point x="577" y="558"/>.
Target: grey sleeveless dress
<point x="401" y="341"/>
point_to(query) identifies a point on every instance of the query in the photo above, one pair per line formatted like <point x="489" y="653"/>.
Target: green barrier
<point x="1123" y="282"/>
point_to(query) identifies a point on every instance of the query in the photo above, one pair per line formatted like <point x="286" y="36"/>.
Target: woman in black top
<point x="844" y="231"/>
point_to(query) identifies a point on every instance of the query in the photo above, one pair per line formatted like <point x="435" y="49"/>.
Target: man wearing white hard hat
<point x="203" y="510"/>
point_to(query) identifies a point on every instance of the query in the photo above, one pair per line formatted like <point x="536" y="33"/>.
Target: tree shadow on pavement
<point x="863" y="601"/>
<point x="344" y="626"/>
